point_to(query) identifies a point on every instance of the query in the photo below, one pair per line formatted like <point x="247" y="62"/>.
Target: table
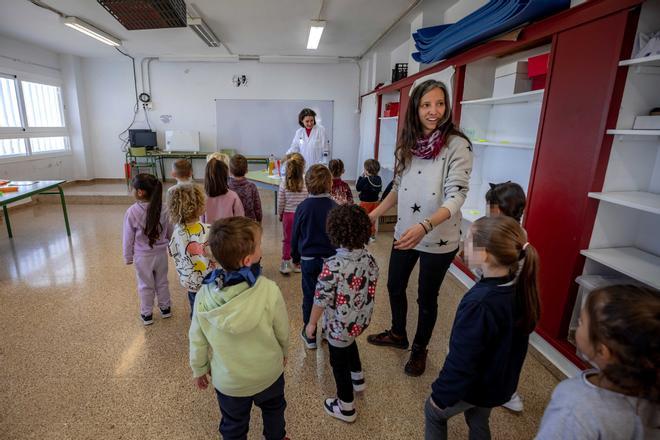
<point x="25" y="191"/>
<point x="160" y="156"/>
<point x="264" y="181"/>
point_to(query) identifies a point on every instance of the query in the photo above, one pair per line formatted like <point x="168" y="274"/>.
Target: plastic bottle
<point x="271" y="164"/>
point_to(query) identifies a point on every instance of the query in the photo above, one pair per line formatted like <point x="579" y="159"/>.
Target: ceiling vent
<point x="199" y="26"/>
<point x="147" y="14"/>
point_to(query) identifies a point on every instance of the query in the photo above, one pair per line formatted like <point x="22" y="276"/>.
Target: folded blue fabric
<point x="436" y="43"/>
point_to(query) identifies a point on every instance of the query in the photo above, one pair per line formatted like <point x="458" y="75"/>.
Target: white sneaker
<point x="515" y="404"/>
<point x="372" y="239"/>
<point x="285" y="267"/>
<point x="357" y="377"/>
<point x="340" y="410"/>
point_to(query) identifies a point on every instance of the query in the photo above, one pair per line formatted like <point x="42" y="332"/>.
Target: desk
<point x="40" y="187"/>
<point x="160" y="156"/>
<point x="264" y="181"/>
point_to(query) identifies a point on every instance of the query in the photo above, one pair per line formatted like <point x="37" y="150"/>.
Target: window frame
<point x="25" y="131"/>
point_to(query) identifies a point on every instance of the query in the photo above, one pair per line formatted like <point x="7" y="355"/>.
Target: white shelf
<point x="387" y="118"/>
<point x="630" y="261"/>
<point x="471" y="215"/>
<point x="644" y="201"/>
<point x="635" y="132"/>
<point x="502" y="144"/>
<point x="534" y="95"/>
<point x="654" y="60"/>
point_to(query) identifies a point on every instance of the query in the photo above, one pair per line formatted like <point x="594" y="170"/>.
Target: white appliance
<point x="181" y="140"/>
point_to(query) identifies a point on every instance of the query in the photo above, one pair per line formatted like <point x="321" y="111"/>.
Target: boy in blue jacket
<point x="310" y="243"/>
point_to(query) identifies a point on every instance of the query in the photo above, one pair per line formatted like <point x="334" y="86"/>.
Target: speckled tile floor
<point x="77" y="364"/>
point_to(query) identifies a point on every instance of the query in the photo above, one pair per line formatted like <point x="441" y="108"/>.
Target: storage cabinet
<point x="592" y="183"/>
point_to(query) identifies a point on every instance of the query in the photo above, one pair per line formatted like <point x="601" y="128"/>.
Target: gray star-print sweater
<point x="429" y="184"/>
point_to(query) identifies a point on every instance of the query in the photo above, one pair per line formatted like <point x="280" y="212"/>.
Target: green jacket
<point x="247" y="329"/>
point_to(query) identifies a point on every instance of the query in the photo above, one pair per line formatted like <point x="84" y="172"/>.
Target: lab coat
<point x="311" y="147"/>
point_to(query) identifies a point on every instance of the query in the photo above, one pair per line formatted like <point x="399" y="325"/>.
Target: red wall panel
<point x="572" y="156"/>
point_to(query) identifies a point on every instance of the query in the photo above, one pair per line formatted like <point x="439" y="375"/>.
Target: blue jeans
<point x="475" y="416"/>
<point x="235" y="412"/>
<point x="311" y="269"/>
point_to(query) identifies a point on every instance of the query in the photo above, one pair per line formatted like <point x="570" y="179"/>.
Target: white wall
<point x="187" y="91"/>
<point x="17" y="57"/>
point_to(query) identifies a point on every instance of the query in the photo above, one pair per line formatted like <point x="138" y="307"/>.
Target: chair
<point x="137" y="158"/>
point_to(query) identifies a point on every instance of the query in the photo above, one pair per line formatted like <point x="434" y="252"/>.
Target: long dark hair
<point x="626" y="319"/>
<point x="153" y="191"/>
<point x="412" y="127"/>
<point x="504" y="239"/>
<point x="304" y="113"/>
<point x="215" y="179"/>
<point x="509" y="197"/>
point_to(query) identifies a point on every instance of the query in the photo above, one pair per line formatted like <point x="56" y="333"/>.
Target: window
<point x="31" y="118"/>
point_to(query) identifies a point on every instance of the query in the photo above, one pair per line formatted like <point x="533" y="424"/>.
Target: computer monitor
<point x="142" y="138"/>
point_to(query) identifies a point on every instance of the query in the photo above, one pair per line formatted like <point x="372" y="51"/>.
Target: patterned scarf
<point x="226" y="279"/>
<point x="429" y="148"/>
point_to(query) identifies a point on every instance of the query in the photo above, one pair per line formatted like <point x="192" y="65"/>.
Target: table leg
<point x="5" y="212"/>
<point x="66" y="217"/>
<point x="275" y="194"/>
<point x="162" y="167"/>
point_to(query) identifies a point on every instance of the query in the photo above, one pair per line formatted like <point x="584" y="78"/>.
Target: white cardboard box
<point x="647" y="123"/>
<point x="511" y="79"/>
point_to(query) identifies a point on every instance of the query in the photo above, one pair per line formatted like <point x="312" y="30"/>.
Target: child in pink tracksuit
<point x="147" y="232"/>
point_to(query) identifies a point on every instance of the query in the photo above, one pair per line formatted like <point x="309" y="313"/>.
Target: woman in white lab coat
<point x="310" y="140"/>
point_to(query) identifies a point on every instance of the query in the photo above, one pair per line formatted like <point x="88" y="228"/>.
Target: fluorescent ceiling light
<point x="293" y="59"/>
<point x="88" y="29"/>
<point x="315" y="32"/>
<point x="199" y="59"/>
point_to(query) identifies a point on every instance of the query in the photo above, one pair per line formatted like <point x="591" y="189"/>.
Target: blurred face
<point x="431" y="109"/>
<point x="493" y="211"/>
<point x="474" y="256"/>
<point x="309" y="122"/>
<point x="582" y="335"/>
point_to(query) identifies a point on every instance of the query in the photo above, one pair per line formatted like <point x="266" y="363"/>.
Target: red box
<point x="538" y="65"/>
<point x="391" y="109"/>
<point x="537" y="70"/>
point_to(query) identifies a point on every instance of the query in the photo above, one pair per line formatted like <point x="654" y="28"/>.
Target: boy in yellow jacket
<point x="241" y="315"/>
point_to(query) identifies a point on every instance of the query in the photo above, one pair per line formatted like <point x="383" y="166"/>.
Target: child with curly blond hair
<point x="188" y="244"/>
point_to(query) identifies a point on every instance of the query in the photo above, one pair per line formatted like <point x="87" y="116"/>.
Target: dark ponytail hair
<point x="626" y="319"/>
<point x="412" y="127"/>
<point x="215" y="179"/>
<point x="505" y="240"/>
<point x="509" y="197"/>
<point x="153" y="191"/>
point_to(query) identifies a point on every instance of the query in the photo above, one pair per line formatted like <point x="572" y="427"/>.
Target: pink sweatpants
<point x="287" y="226"/>
<point x="152" y="281"/>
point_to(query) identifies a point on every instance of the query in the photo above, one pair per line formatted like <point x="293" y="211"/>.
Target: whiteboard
<point x="263" y="127"/>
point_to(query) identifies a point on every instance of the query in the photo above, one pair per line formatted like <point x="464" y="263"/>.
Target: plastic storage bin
<point x="589" y="283"/>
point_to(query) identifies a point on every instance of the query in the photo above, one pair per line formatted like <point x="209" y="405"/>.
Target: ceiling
<point x="247" y="27"/>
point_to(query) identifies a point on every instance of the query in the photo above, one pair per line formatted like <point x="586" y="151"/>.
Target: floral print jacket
<point x="346" y="290"/>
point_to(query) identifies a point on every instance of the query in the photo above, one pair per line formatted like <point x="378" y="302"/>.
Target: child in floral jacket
<point x="345" y="295"/>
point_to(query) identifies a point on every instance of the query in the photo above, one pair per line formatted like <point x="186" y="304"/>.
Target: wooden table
<point x="25" y="191"/>
<point x="264" y="181"/>
<point x="160" y="156"/>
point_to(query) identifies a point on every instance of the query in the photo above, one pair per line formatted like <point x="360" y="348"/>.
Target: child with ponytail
<point x="618" y="332"/>
<point x="291" y="193"/>
<point x="489" y="338"/>
<point x="147" y="232"/>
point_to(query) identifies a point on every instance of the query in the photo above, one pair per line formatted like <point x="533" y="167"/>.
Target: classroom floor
<point x="78" y="364"/>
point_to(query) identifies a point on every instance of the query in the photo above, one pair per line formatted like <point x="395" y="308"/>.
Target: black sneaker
<point x="165" y="313"/>
<point x="416" y="365"/>
<point x="147" y="319"/>
<point x="388" y="339"/>
<point x="309" y="343"/>
<point x="333" y="408"/>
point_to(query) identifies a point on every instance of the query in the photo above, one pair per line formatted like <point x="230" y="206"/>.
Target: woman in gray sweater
<point x="432" y="173"/>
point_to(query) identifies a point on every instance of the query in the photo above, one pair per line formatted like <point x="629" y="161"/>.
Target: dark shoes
<point x="417" y="362"/>
<point x="388" y="339"/>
